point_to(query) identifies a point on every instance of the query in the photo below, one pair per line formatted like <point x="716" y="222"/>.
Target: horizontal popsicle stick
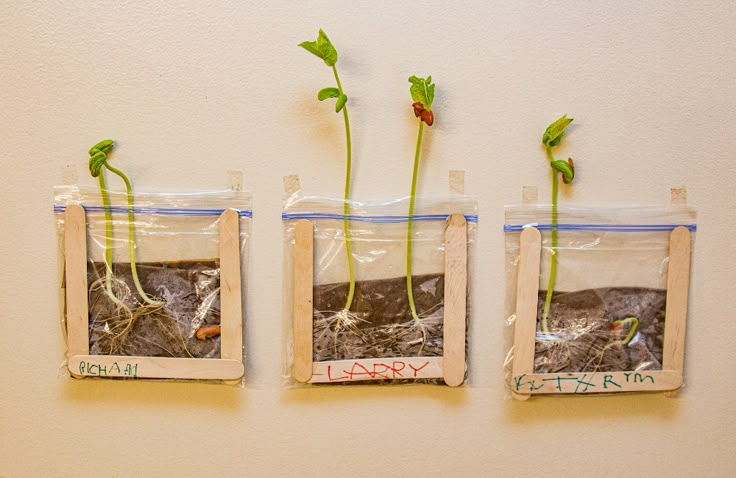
<point x="596" y="382"/>
<point x="392" y="368"/>
<point x="155" y="367"/>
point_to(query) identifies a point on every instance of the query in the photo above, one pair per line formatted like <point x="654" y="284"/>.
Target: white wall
<point x="192" y="89"/>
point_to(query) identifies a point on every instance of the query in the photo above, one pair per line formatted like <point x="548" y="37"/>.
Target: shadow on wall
<point x="558" y="409"/>
<point x="144" y="393"/>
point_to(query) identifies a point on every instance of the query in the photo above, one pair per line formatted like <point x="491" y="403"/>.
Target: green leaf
<point x="422" y="91"/>
<point x="321" y="48"/>
<point x="340" y="104"/>
<point x="553" y="134"/>
<point x="105" y="146"/>
<point x="566" y="168"/>
<point x="311" y="47"/>
<point x="96" y="161"/>
<point x="325" y="93"/>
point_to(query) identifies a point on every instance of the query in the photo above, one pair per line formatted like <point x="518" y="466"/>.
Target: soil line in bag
<point x="191" y="300"/>
<point x="583" y="337"/>
<point x="381" y="324"/>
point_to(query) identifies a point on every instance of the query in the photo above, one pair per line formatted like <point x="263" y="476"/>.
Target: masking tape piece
<point x="235" y="180"/>
<point x="529" y="194"/>
<point x="291" y="184"/>
<point x="457" y="181"/>
<point x="679" y="195"/>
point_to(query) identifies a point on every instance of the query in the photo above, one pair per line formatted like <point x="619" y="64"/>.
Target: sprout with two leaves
<point x="325" y="50"/>
<point x="552" y="137"/>
<point x="422" y="93"/>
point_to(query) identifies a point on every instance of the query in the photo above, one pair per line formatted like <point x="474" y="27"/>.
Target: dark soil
<point x="581" y="339"/>
<point x="190" y="295"/>
<point x="382" y="325"/>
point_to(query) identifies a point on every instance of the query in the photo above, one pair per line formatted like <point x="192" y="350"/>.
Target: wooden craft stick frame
<point x="450" y="367"/>
<point x="229" y="367"/>
<point x="524" y="382"/>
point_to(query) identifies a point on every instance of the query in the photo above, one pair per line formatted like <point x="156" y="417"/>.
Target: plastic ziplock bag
<point x="375" y="337"/>
<point x="175" y="311"/>
<point x="603" y="327"/>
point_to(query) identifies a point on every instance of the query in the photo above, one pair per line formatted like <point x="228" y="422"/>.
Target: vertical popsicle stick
<point x="303" y="290"/>
<point x="678" y="281"/>
<point x="75" y="257"/>
<point x="231" y="305"/>
<point x="456" y="292"/>
<point x="527" y="296"/>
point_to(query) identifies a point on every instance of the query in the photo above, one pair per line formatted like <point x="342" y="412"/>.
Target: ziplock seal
<point x="373" y="219"/>
<point x="165" y="211"/>
<point x="601" y="227"/>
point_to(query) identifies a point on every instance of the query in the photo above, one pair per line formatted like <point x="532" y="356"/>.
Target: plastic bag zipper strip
<point x="374" y="219"/>
<point x="159" y="210"/>
<point x="601" y="227"/>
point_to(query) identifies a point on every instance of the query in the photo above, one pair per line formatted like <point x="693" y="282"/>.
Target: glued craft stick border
<point x="79" y="361"/>
<point x="450" y="367"/>
<point x="525" y="382"/>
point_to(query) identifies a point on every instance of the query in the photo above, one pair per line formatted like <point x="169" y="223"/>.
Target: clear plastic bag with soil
<point x="379" y="323"/>
<point x="189" y="301"/>
<point x="607" y="309"/>
<point x="177" y="264"/>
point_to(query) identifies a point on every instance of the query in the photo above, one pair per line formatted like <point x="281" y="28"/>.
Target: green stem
<point x="346" y="205"/>
<point x="131" y="234"/>
<point x="553" y="249"/>
<point x="409" y="290"/>
<point x="633" y="327"/>
<point x="108" y="238"/>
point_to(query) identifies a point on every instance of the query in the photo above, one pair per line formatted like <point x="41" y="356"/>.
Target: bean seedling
<point x="422" y="93"/>
<point x="120" y="324"/>
<point x="551" y="138"/>
<point x="325" y="50"/>
<point x="97" y="160"/>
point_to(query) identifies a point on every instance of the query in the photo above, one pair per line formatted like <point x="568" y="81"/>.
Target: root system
<point x="189" y="299"/>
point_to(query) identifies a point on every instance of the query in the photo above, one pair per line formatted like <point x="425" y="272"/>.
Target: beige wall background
<point x="192" y="89"/>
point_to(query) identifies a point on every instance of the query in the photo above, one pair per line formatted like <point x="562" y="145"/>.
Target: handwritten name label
<point x="113" y="369"/>
<point x="377" y="369"/>
<point x="592" y="382"/>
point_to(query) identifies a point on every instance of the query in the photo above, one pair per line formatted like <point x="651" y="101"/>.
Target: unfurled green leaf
<point x="422" y="91"/>
<point x="340" y="104"/>
<point x="321" y="48"/>
<point x="553" y="134"/>
<point x="566" y="168"/>
<point x="325" y="93"/>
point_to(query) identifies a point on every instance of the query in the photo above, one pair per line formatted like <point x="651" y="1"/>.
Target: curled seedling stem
<point x="97" y="160"/>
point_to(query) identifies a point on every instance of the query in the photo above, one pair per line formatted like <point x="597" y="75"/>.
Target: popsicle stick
<point x="156" y="367"/>
<point x="678" y="281"/>
<point x="394" y="368"/>
<point x="75" y="256"/>
<point x="303" y="290"/>
<point x="456" y="292"/>
<point x="524" y="385"/>
<point x="527" y="293"/>
<point x="231" y="305"/>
